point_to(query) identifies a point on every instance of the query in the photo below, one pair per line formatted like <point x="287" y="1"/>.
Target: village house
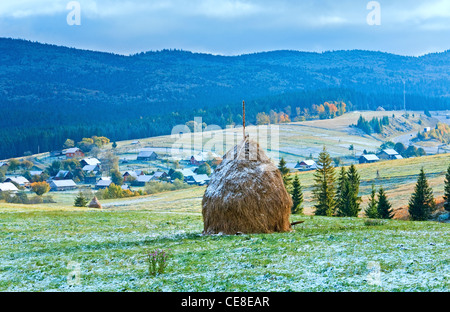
<point x="147" y="154"/>
<point x="62" y="185"/>
<point x="368" y="158"/>
<point x="186" y="173"/>
<point x="103" y="183"/>
<point x="142" y="180"/>
<point x="8" y="187"/>
<point x="308" y="164"/>
<point x="35" y="172"/>
<point x="202" y="157"/>
<point x="73" y="152"/>
<point x="198" y="179"/>
<point x="19" y="180"/>
<point x="94" y="169"/>
<point x="88" y="179"/>
<point x="90" y="161"/>
<point x="292" y="166"/>
<point x="159" y="175"/>
<point x="389" y="154"/>
<point x="126" y="176"/>
<point x="63" y="175"/>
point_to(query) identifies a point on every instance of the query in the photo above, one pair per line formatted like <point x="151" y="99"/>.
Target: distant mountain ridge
<point x="49" y="93"/>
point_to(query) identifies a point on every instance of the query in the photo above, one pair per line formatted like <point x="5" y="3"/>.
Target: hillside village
<point x="137" y="165"/>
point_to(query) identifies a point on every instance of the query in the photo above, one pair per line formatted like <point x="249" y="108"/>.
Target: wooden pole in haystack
<point x="243" y="117"/>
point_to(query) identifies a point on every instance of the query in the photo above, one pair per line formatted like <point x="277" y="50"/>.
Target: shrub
<point x="157" y="261"/>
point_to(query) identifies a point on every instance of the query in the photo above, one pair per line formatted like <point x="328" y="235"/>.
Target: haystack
<point x="246" y="194"/>
<point x="95" y="203"/>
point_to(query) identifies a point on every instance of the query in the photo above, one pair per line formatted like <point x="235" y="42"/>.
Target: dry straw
<point x="246" y="194"/>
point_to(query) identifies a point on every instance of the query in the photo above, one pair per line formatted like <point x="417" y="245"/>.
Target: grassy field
<point x="39" y="247"/>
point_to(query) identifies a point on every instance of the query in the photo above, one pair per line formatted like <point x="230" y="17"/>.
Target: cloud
<point x="231" y="26"/>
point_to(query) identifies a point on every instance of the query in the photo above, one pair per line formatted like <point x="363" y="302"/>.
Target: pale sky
<point x="231" y="27"/>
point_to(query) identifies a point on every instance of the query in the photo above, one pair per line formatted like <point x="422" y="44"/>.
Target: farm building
<point x="103" y="183"/>
<point x="91" y="168"/>
<point x="36" y="172"/>
<point x="62" y="185"/>
<point x="8" y="187"/>
<point x="73" y="152"/>
<point x="21" y="181"/>
<point x="292" y="166"/>
<point x="198" y="179"/>
<point x="186" y="173"/>
<point x="308" y="164"/>
<point x="202" y="157"/>
<point x="90" y="179"/>
<point x="389" y="154"/>
<point x="147" y="154"/>
<point x="368" y="158"/>
<point x="142" y="180"/>
<point x="159" y="175"/>
<point x="63" y="175"/>
<point x="129" y="174"/>
<point x="90" y="161"/>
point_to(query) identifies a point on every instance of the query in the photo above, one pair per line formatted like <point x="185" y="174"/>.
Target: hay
<point x="95" y="203"/>
<point x="246" y="194"/>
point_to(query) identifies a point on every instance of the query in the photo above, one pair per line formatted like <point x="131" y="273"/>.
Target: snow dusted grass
<point x="322" y="254"/>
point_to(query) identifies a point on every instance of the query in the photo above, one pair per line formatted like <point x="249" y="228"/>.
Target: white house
<point x="198" y="179"/>
<point x="8" y="187"/>
<point x="21" y="181"/>
<point x="103" y="183"/>
<point x="368" y="158"/>
<point x="308" y="164"/>
<point x="389" y="154"/>
<point x="62" y="185"/>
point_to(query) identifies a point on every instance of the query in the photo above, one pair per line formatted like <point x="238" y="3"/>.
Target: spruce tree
<point x="297" y="196"/>
<point x="384" y="208"/>
<point x="371" y="209"/>
<point x="347" y="199"/>
<point x="80" y="200"/>
<point x="324" y="188"/>
<point x="422" y="202"/>
<point x="284" y="173"/>
<point x="342" y="193"/>
<point x="447" y="190"/>
<point x="353" y="192"/>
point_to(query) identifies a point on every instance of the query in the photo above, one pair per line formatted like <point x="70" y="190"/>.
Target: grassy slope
<point x="331" y="254"/>
<point x="323" y="254"/>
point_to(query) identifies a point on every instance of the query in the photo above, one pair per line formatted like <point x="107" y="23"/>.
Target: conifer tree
<point x="371" y="209"/>
<point x="80" y="200"/>
<point x="342" y="193"/>
<point x="422" y="202"/>
<point x="353" y="192"/>
<point x="297" y="196"/>
<point x="447" y="190"/>
<point x="284" y="173"/>
<point x="347" y="199"/>
<point x="324" y="188"/>
<point x="384" y="208"/>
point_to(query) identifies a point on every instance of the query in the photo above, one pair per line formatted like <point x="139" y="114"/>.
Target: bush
<point x="157" y="261"/>
<point x="159" y="187"/>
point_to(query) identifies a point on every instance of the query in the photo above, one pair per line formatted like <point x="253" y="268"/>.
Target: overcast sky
<point x="230" y="27"/>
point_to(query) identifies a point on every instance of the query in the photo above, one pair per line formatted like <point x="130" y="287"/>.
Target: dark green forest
<point x="50" y="93"/>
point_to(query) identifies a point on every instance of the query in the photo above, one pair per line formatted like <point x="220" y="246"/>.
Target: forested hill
<point x="50" y="93"/>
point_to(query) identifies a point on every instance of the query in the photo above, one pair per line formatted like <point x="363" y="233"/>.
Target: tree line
<point x="338" y="194"/>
